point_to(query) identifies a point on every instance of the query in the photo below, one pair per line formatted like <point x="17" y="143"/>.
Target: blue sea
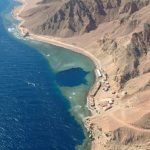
<point x="43" y="92"/>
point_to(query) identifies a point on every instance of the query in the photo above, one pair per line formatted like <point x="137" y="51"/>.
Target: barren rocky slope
<point x="117" y="32"/>
<point x="69" y="17"/>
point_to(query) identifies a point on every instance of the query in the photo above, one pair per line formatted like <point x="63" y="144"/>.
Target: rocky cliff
<point x="138" y="48"/>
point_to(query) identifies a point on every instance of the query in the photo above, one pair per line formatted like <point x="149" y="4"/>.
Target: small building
<point x="98" y="73"/>
<point x="105" y="77"/>
<point x="91" y="102"/>
<point x="110" y="101"/>
<point x="105" y="89"/>
<point x="107" y="85"/>
<point x="107" y="107"/>
<point x="103" y="103"/>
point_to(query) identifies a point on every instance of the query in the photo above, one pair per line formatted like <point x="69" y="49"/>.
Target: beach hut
<point x="98" y="73"/>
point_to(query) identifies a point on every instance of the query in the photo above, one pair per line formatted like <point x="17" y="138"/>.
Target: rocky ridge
<point x="73" y="17"/>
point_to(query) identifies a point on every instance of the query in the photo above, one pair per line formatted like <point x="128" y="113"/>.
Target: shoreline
<point x="49" y="39"/>
<point x="57" y="42"/>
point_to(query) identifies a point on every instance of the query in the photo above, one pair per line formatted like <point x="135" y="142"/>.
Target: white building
<point x="98" y="73"/>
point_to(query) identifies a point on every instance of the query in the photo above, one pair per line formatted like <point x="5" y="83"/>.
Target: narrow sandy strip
<point x="57" y="42"/>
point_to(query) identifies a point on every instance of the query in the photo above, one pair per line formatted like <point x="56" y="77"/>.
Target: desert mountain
<point x="70" y="17"/>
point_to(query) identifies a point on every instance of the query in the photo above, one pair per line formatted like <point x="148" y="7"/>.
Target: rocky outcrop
<point x="74" y="17"/>
<point x="138" y="48"/>
<point x="141" y="41"/>
<point x="129" y="8"/>
<point x="146" y="34"/>
<point x="144" y="122"/>
<point x="125" y="136"/>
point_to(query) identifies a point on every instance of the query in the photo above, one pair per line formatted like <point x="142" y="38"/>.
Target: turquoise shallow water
<point x="39" y="109"/>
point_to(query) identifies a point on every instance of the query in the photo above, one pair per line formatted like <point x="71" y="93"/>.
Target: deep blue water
<point x="33" y="113"/>
<point x="71" y="77"/>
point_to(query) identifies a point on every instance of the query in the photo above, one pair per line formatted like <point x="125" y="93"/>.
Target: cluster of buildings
<point x="105" y="104"/>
